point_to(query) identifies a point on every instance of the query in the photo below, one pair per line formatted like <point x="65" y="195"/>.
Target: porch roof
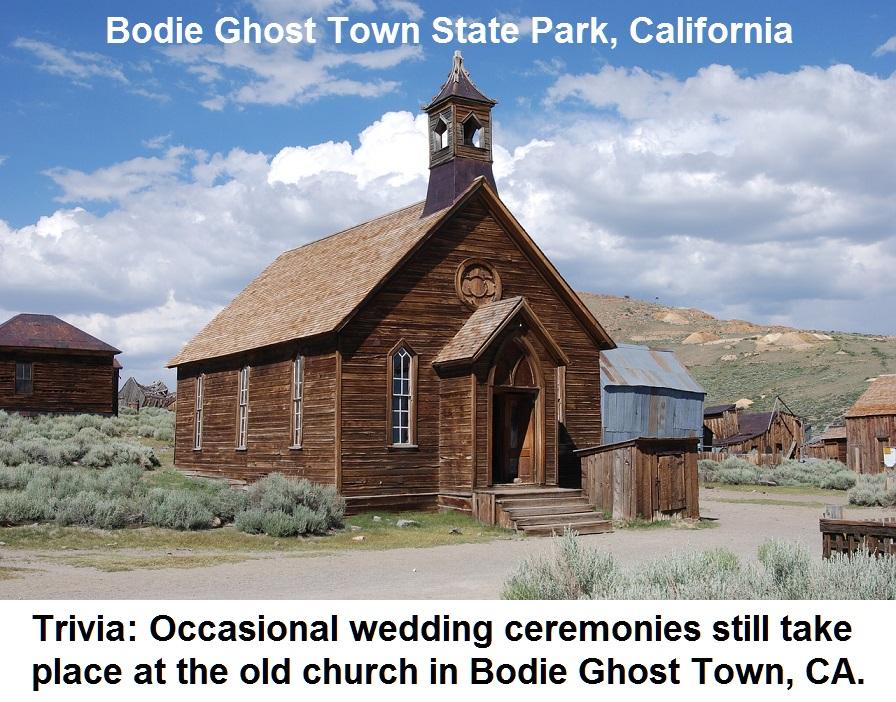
<point x="485" y="325"/>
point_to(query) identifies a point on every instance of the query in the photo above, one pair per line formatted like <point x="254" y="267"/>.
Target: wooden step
<point x="598" y="526"/>
<point x="568" y="518"/>
<point x="511" y="503"/>
<point x="559" y="508"/>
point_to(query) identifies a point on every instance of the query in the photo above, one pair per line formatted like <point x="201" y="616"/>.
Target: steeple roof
<point x="459" y="84"/>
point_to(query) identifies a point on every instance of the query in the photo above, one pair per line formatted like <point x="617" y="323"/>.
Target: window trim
<point x="296" y="420"/>
<point x="412" y="401"/>
<point x="30" y="380"/>
<point x="198" y="411"/>
<point x="561" y="394"/>
<point x="242" y="409"/>
<point x="441" y="140"/>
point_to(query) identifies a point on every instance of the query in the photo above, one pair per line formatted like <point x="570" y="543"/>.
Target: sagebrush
<point x="811" y="472"/>
<point x="782" y="571"/>
<point x="281" y="506"/>
<point x="872" y="491"/>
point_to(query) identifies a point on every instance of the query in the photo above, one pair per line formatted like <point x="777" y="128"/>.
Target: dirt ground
<point x="462" y="571"/>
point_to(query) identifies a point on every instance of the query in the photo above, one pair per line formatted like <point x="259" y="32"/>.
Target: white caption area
<point x="576" y="669"/>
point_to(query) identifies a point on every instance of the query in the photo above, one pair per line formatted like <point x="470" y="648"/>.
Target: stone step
<point x="568" y="518"/>
<point x="598" y="526"/>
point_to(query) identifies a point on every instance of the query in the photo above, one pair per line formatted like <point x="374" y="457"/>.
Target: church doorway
<point x="515" y="430"/>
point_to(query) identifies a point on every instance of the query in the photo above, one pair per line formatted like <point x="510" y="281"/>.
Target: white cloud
<point x="281" y="75"/>
<point x="888" y="47"/>
<point x="83" y="67"/>
<point x="765" y="198"/>
<point x="409" y="9"/>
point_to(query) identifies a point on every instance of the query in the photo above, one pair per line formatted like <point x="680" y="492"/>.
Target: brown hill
<point x="818" y="373"/>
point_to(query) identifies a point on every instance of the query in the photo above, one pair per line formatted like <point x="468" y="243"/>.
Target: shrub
<point x="312" y="508"/>
<point x="871" y="491"/>
<point x="16" y="477"/>
<point x="826" y="474"/>
<point x="783" y="571"/>
<point x="21" y="508"/>
<point x="177" y="509"/>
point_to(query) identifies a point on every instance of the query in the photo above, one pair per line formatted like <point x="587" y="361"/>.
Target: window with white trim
<point x="242" y="431"/>
<point x="197" y="416"/>
<point x="24" y="378"/>
<point x="402" y="390"/>
<point x="298" y="368"/>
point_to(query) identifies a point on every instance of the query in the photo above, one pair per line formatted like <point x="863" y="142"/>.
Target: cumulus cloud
<point x="764" y="198"/>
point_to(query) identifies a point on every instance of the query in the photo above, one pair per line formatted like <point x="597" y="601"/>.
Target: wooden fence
<point x="849" y="535"/>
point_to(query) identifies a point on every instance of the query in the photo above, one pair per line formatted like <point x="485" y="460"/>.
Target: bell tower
<point x="460" y="138"/>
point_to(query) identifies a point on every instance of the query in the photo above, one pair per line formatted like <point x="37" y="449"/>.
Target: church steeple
<point x="460" y="138"/>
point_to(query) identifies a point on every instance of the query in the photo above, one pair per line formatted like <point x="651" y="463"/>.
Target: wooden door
<point x="514" y="451"/>
<point x="670" y="479"/>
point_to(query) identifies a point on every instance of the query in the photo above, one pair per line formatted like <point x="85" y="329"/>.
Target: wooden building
<point x="831" y="444"/>
<point x="871" y="426"/>
<point x="50" y="366"/>
<point x="719" y="421"/>
<point x="648" y="393"/>
<point x="137" y="396"/>
<point x="412" y="360"/>
<point x="764" y="438"/>
<point x="647" y="478"/>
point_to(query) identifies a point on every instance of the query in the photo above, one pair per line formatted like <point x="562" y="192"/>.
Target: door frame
<point x="538" y="430"/>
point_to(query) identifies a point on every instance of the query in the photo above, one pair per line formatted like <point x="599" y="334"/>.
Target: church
<point x="430" y="357"/>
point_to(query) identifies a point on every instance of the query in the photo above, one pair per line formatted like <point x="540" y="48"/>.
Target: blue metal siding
<point x="658" y="413"/>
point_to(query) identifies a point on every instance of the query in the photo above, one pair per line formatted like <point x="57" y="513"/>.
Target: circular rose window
<point x="477" y="282"/>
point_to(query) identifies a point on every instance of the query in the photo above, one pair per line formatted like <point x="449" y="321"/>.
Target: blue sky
<point x="725" y="177"/>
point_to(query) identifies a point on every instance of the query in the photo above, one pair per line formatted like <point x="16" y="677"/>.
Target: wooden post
<point x="833" y="512"/>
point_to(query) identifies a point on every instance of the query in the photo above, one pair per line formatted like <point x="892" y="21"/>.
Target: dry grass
<point x="116" y="563"/>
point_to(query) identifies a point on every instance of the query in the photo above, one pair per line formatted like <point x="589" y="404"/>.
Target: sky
<point x="142" y="186"/>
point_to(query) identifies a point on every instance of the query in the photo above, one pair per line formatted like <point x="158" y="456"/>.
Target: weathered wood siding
<point x="269" y="438"/>
<point x="773" y="446"/>
<point x="643" y="479"/>
<point x="61" y="383"/>
<point x="722" y="425"/>
<point x="832" y="449"/>
<point x="420" y="305"/>
<point x="866" y="438"/>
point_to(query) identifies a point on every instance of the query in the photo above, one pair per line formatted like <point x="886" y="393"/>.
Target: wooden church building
<point x="415" y="360"/>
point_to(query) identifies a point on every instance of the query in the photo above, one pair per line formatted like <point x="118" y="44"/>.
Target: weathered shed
<point x="47" y="365"/>
<point x="647" y="478"/>
<point x="719" y="422"/>
<point x="648" y="393"/>
<point x="871" y="426"/>
<point x="138" y="396"/>
<point x="830" y="444"/>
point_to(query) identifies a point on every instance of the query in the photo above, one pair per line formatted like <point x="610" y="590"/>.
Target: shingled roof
<point x="459" y="84"/>
<point x="878" y="399"/>
<point x="44" y="331"/>
<point x="326" y="281"/>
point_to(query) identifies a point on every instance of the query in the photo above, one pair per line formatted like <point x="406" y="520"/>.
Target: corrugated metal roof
<point x="718" y="409"/>
<point x="640" y="366"/>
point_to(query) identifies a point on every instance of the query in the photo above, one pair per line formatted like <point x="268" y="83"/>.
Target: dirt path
<point x="463" y="571"/>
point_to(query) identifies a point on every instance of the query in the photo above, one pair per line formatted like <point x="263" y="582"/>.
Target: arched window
<point x="298" y="370"/>
<point x="402" y="396"/>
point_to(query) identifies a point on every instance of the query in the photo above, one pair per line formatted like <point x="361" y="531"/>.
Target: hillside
<point x="819" y="374"/>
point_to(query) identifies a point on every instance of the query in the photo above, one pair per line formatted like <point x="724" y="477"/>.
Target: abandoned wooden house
<point x="137" y="396"/>
<point x="830" y="444"/>
<point x="871" y="427"/>
<point x="764" y="438"/>
<point x="648" y="393"/>
<point x="50" y="366"/>
<point x="432" y="356"/>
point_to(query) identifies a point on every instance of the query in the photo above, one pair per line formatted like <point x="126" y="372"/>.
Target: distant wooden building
<point x="765" y="438"/>
<point x="871" y="426"/>
<point x="412" y="360"/>
<point x="50" y="366"/>
<point x="830" y="444"/>
<point x="137" y="396"/>
<point x="648" y="393"/>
